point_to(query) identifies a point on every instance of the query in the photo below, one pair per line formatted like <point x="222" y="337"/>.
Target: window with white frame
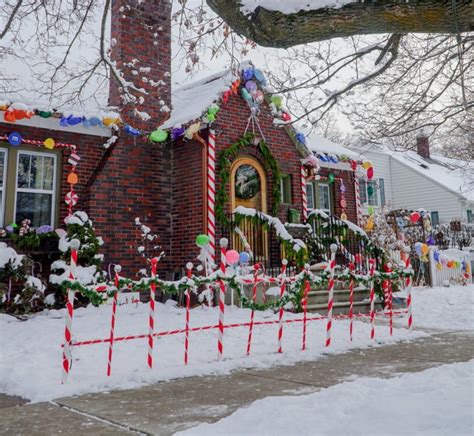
<point x="35" y="188"/>
<point x="3" y="176"/>
<point x="372" y="192"/>
<point x="319" y="196"/>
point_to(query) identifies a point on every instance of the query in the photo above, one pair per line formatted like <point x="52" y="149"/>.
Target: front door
<point x="249" y="189"/>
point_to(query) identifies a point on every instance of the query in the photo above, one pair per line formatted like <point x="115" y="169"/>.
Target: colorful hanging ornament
<point x="370" y="191"/>
<point x="285" y="116"/>
<point x="110" y="121"/>
<point x="246" y="95"/>
<point x="333" y="158"/>
<point x="202" y="240"/>
<point x="259" y="97"/>
<point x="251" y="86"/>
<point x="131" y="130"/>
<point x="9" y="116"/>
<point x="15" y="139"/>
<point x="71" y="198"/>
<point x="259" y="76"/>
<point x="232" y="257"/>
<point x="158" y="135"/>
<point x="247" y="74"/>
<point x="44" y="114"/>
<point x="94" y="121"/>
<point x="370" y="173"/>
<point x="343" y="216"/>
<point x="277" y="100"/>
<point x="415" y="217"/>
<point x="331" y="178"/>
<point x="301" y="138"/>
<point x="353" y="165"/>
<point x="370" y="210"/>
<point x="366" y="165"/>
<point x="369" y="224"/>
<point x="177" y="132"/>
<point x="49" y="143"/>
<point x="72" y="178"/>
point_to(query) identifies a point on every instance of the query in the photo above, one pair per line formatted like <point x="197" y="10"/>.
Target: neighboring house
<point x="414" y="180"/>
<point x="163" y="183"/>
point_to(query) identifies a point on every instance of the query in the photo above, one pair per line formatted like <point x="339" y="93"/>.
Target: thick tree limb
<point x="275" y="29"/>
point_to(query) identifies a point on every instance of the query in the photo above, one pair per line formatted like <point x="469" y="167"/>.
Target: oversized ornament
<point x="366" y="165"/>
<point x="72" y="178"/>
<point x="259" y="76"/>
<point x="371" y="210"/>
<point x="247" y="74"/>
<point x="370" y="173"/>
<point x="370" y="191"/>
<point x="342" y="188"/>
<point x="285" y="116"/>
<point x="177" y="132"/>
<point x="251" y="86"/>
<point x="414" y="217"/>
<point x="232" y="257"/>
<point x="131" y="130"/>
<point x="202" y="240"/>
<point x="331" y="178"/>
<point x="49" y="143"/>
<point x="246" y="95"/>
<point x="370" y="224"/>
<point x="343" y="216"/>
<point x="95" y="121"/>
<point x="158" y="135"/>
<point x="277" y="100"/>
<point x="424" y="249"/>
<point x="353" y="165"/>
<point x="301" y="138"/>
<point x="44" y="114"/>
<point x="15" y="138"/>
<point x="244" y="258"/>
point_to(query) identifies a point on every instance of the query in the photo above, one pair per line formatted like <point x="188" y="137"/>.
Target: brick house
<point x="164" y="183"/>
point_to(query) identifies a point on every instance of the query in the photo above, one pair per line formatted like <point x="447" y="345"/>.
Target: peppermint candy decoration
<point x="71" y="198"/>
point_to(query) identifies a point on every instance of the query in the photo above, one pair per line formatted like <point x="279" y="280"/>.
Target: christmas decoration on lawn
<point x="224" y="161"/>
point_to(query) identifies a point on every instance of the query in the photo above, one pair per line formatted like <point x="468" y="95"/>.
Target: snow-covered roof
<point x="319" y="144"/>
<point x="453" y="174"/>
<point x="291" y="7"/>
<point x="189" y="102"/>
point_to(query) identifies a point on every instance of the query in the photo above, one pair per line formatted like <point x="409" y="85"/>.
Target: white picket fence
<point x="445" y="275"/>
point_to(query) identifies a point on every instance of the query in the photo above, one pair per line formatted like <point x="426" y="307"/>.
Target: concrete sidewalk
<point x="165" y="408"/>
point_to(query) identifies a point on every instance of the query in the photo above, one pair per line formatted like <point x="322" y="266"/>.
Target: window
<point x="434" y="218"/>
<point x="285" y="189"/>
<point x="374" y="187"/>
<point x="382" y="191"/>
<point x="28" y="184"/>
<point x="469" y="216"/>
<point x="319" y="196"/>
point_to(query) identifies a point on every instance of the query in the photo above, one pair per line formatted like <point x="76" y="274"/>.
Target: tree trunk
<point x="276" y="29"/>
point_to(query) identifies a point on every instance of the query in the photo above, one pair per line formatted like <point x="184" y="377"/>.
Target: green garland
<point x="224" y="162"/>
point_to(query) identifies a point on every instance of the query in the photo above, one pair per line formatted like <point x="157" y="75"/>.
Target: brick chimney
<point x="423" y="145"/>
<point x="141" y="47"/>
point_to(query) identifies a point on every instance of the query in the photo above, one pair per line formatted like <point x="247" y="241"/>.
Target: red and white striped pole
<point x="372" y="298"/>
<point x="284" y="264"/>
<point x="307" y="288"/>
<point x="67" y="350"/>
<point x="304" y="197"/>
<point x="332" y="266"/>
<point x="358" y="201"/>
<point x="151" y="317"/>
<point x="408" y="269"/>
<point x="220" y="338"/>
<point x="117" y="269"/>
<point x="256" y="267"/>
<point x="189" y="268"/>
<point x="351" y="300"/>
<point x="211" y="192"/>
<point x="390" y="306"/>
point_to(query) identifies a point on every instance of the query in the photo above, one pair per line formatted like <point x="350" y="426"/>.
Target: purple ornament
<point x="430" y="240"/>
<point x="251" y="86"/>
<point x="44" y="229"/>
<point x="9" y="229"/>
<point x="177" y="132"/>
<point x="247" y="74"/>
<point x="343" y="187"/>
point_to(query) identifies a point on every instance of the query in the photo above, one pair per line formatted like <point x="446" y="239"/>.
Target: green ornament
<point x="331" y="178"/>
<point x="213" y="110"/>
<point x="277" y="100"/>
<point x="370" y="191"/>
<point x="344" y="158"/>
<point x="44" y="114"/>
<point x="158" y="135"/>
<point x="210" y="117"/>
<point x="371" y="210"/>
<point x="202" y="240"/>
<point x="14" y="225"/>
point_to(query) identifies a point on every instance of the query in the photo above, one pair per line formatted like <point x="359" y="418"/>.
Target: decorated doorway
<point x="248" y="184"/>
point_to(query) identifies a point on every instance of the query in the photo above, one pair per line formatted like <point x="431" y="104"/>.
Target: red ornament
<point x="9" y="116"/>
<point x="370" y="173"/>
<point x="285" y="116"/>
<point x="415" y="217"/>
<point x="353" y="165"/>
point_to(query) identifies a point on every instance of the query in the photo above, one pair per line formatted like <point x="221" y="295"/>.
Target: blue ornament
<point x="323" y="158"/>
<point x="15" y="138"/>
<point x="301" y="138"/>
<point x="430" y="240"/>
<point x="177" y="132"/>
<point x="259" y="76"/>
<point x="94" y="121"/>
<point x="131" y="130"/>
<point x="86" y="123"/>
<point x="63" y="122"/>
<point x="244" y="258"/>
<point x="436" y="256"/>
<point x="333" y="158"/>
<point x="73" y="121"/>
<point x="247" y="74"/>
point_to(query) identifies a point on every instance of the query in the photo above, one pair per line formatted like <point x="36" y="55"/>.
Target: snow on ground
<point x="31" y="365"/>
<point x="438" y="401"/>
<point x="31" y="354"/>
<point x="443" y="308"/>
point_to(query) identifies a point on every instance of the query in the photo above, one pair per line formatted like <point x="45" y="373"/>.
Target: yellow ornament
<point x="343" y="216"/>
<point x="439" y="266"/>
<point x="49" y="143"/>
<point x="109" y="121"/>
<point x="192" y="129"/>
<point x="366" y="165"/>
<point x="369" y="225"/>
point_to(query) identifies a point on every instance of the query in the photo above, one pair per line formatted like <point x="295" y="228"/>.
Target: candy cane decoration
<point x="358" y="202"/>
<point x="117" y="269"/>
<point x="151" y="317"/>
<point x="220" y="338"/>
<point x="307" y="288"/>
<point x="304" y="198"/>
<point x="284" y="264"/>
<point x="351" y="300"/>
<point x="408" y="269"/>
<point x="256" y="267"/>
<point x="332" y="266"/>
<point x="211" y="192"/>
<point x="390" y="306"/>
<point x="67" y="354"/>
<point x="189" y="267"/>
<point x="372" y="298"/>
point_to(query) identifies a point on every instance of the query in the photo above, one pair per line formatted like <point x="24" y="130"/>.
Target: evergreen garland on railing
<point x="224" y="162"/>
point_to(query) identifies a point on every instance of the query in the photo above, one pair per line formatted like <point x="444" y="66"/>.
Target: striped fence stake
<point x="284" y="264"/>
<point x="372" y="298"/>
<point x="408" y="268"/>
<point x="256" y="268"/>
<point x="304" y="197"/>
<point x="67" y="350"/>
<point x="390" y="306"/>
<point x="307" y="288"/>
<point x="211" y="192"/>
<point x="117" y="270"/>
<point x="220" y="338"/>
<point x="151" y="317"/>
<point x="189" y="268"/>
<point x="332" y="266"/>
<point x="358" y="201"/>
<point x="351" y="300"/>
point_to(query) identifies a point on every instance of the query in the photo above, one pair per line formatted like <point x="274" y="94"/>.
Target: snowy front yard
<point x="31" y="354"/>
<point x="438" y="401"/>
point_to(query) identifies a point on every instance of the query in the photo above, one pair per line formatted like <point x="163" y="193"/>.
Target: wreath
<point x="224" y="161"/>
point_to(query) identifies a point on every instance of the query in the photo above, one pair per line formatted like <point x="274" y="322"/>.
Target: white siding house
<point x="412" y="181"/>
